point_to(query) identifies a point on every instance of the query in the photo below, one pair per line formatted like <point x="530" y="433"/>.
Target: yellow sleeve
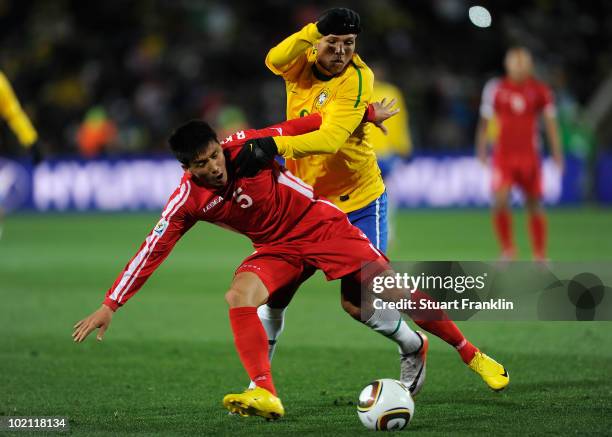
<point x="290" y="54"/>
<point x="340" y="119"/>
<point x="11" y="111"/>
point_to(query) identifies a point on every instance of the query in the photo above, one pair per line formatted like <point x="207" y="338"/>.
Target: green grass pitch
<point x="168" y="358"/>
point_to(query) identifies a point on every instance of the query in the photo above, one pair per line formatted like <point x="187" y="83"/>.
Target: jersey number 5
<point x="244" y="200"/>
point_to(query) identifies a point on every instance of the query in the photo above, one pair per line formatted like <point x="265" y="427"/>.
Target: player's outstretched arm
<point x="99" y="319"/>
<point x="552" y="132"/>
<point x="11" y="111"/>
<point x="258" y="152"/>
<point x="376" y="113"/>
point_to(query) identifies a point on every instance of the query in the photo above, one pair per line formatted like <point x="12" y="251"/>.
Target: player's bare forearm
<point x="99" y="319"/>
<point x="552" y="132"/>
<point x="481" y="139"/>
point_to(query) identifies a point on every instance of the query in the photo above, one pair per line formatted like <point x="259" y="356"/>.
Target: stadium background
<point x="105" y="82"/>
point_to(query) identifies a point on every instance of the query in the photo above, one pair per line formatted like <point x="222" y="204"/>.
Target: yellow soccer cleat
<point x="255" y="402"/>
<point x="494" y="374"/>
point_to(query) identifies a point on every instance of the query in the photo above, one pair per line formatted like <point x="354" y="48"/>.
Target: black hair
<point x="190" y="139"/>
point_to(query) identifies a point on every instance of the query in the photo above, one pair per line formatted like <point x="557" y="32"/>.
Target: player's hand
<point x="339" y="21"/>
<point x="382" y="112"/>
<point x="559" y="162"/>
<point x="254" y="156"/>
<point x="101" y="319"/>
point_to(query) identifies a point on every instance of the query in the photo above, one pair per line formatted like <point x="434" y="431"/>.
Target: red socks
<point x="438" y="323"/>
<point x="252" y="345"/>
<point x="502" y="222"/>
<point x="537" y="230"/>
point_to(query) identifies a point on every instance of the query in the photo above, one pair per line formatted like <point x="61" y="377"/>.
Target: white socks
<point x="273" y="321"/>
<point x="390" y="324"/>
<point x="386" y="322"/>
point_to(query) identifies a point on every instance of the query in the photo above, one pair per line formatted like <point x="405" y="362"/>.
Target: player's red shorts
<point x="324" y="239"/>
<point x="525" y="173"/>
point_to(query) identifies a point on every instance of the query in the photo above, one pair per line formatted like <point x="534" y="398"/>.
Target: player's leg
<point x="531" y="185"/>
<point x="438" y="323"/>
<point x="501" y="213"/>
<point x="282" y="280"/>
<point x="537" y="227"/>
<point x="258" y="277"/>
<point x="246" y="293"/>
<point x="343" y="255"/>
<point x="272" y="313"/>
<point x="412" y="346"/>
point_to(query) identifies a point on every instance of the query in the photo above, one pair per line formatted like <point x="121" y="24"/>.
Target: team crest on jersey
<point x="160" y="227"/>
<point x="517" y="103"/>
<point x="322" y="98"/>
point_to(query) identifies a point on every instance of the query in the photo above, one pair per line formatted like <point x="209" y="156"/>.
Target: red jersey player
<point x="291" y="229"/>
<point x="516" y="101"/>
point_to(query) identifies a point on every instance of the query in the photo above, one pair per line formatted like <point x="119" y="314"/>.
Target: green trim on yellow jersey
<point x="360" y="85"/>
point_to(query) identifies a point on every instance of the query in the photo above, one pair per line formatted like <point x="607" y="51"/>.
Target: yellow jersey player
<point x="11" y="111"/>
<point x="324" y="75"/>
<point x="20" y="124"/>
<point x="392" y="143"/>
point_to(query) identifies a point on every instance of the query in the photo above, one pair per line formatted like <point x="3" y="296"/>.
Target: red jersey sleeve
<point x="294" y="127"/>
<point x="290" y="128"/>
<point x="174" y="222"/>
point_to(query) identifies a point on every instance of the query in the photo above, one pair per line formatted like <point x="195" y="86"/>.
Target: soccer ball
<point x="385" y="405"/>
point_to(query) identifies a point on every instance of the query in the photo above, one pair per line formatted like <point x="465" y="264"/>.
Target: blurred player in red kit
<point x="292" y="231"/>
<point x="516" y="101"/>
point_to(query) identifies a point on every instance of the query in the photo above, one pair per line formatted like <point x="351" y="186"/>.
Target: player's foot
<point x="412" y="366"/>
<point x="494" y="374"/>
<point x="255" y="402"/>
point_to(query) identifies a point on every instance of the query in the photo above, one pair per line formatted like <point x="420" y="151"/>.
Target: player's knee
<point x="238" y="298"/>
<point x="534" y="206"/>
<point x="500" y="203"/>
<point x="351" y="309"/>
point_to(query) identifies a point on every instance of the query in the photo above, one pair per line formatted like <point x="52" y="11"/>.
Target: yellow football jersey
<point x="337" y="160"/>
<point x="11" y="111"/>
<point x="397" y="142"/>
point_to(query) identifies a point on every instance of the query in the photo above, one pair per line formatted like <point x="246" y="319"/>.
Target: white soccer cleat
<point x="412" y="367"/>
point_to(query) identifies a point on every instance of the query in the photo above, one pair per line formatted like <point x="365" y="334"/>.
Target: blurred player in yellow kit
<point x="392" y="142"/>
<point x="324" y="75"/>
<point x="20" y="124"/>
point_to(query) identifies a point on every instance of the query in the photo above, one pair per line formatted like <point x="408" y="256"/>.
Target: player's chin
<point x="337" y="67"/>
<point x="219" y="182"/>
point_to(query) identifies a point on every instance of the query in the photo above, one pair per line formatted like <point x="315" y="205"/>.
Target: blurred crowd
<point x="114" y="77"/>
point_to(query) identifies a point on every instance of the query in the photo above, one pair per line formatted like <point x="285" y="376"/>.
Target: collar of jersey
<point x="319" y="75"/>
